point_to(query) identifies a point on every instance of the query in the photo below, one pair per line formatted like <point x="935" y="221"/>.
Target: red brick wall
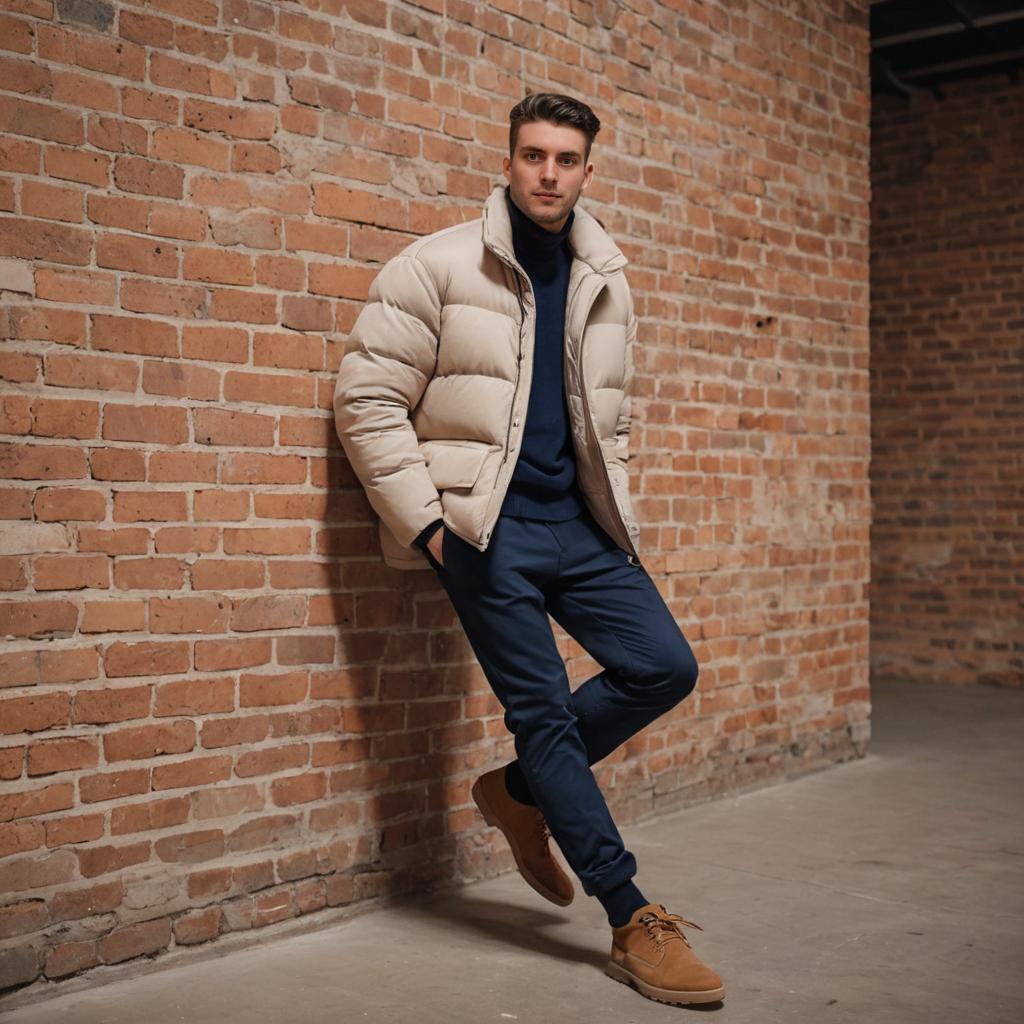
<point x="947" y="375"/>
<point x="221" y="709"/>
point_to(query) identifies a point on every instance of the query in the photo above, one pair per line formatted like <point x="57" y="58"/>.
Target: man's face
<point x="546" y="173"/>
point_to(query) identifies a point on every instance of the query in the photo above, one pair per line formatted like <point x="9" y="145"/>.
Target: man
<point x="484" y="406"/>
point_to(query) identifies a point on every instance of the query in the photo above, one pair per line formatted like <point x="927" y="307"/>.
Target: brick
<point x="43" y="323"/>
<point x="70" y="164"/>
<point x="71" y="572"/>
<point x="113" y="617"/>
<point x="101" y="860"/>
<point x="194" y="773"/>
<point x="37" y="618"/>
<point x="350" y="282"/>
<point x="177" y="467"/>
<point x="135" y="335"/>
<point x="13" y="573"/>
<point x="286" y="540"/>
<point x="93" y="373"/>
<point x="60" y="504"/>
<point x="236" y="429"/>
<point x="195" y="697"/>
<point x="245" y="305"/>
<point x="243" y="652"/>
<point x="270" y="690"/>
<point x="15" y="414"/>
<point x="114" y="135"/>
<point x="140" y="741"/>
<point x="288" y="351"/>
<point x="306" y="313"/>
<point x="227" y="574"/>
<point x="117" y="464"/>
<point x="254" y="230"/>
<point x="180" y="380"/>
<point x="32" y="714"/>
<point x="158" y="424"/>
<point x="221" y="506"/>
<point x="187" y="76"/>
<point x="113" y="704"/>
<point x="132" y="940"/>
<point x="269" y="389"/>
<point x="216" y="344"/>
<point x="250" y="614"/>
<point x="184" y="147"/>
<point x="234" y="121"/>
<point x="337" y="201"/>
<point x="18" y="367"/>
<point x="281" y="273"/>
<point x="304" y="650"/>
<point x="146" y="659"/>
<point x="138" y="255"/>
<point x="44" y="240"/>
<point x="41" y="121"/>
<point x="218" y="266"/>
<point x="147" y="815"/>
<point x="32" y="538"/>
<point x="149" y="573"/>
<point x="51" y="202"/>
<point x="121" y="541"/>
<point x="41" y="462"/>
<point x="85" y="287"/>
<point x="43" y="666"/>
<point x="186" y="539"/>
<point x="253" y="468"/>
<point x="148" y="177"/>
<point x="188" y="615"/>
<point x="65" y="418"/>
<point x="150" y="506"/>
<point x="63" y="754"/>
<point x="145" y="104"/>
<point x="113" y="785"/>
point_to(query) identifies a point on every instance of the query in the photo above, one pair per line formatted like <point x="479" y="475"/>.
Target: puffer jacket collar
<point x="587" y="239"/>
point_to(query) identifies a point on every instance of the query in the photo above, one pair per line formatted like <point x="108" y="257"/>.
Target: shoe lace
<point x="664" y="927"/>
<point x="543" y="833"/>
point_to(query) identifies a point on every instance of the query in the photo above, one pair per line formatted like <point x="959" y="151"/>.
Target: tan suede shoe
<point x="651" y="953"/>
<point x="527" y="834"/>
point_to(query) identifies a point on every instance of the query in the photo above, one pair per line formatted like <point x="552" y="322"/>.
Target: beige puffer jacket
<point x="431" y="396"/>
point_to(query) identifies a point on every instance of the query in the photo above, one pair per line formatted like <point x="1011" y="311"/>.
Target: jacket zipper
<point x="515" y="387"/>
<point x="519" y="364"/>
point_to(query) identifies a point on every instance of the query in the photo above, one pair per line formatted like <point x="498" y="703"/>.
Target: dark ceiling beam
<point x="947" y="28"/>
<point x="960" y="65"/>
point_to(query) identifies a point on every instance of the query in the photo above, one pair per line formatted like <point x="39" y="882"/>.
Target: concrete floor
<point x="885" y="890"/>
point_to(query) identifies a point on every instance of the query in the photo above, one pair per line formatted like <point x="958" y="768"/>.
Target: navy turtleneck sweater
<point x="543" y="484"/>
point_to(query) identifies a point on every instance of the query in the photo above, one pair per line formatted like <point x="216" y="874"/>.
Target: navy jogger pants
<point x="575" y="572"/>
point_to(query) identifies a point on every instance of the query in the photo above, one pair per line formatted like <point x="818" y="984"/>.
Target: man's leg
<point x="613" y="609"/>
<point x="499" y="598"/>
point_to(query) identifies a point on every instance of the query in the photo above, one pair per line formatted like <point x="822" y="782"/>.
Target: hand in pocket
<point x="434" y="545"/>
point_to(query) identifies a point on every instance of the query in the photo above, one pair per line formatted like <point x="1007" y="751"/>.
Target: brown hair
<point x="557" y="108"/>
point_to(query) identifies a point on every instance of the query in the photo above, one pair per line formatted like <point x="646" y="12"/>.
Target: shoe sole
<point x="492" y="819"/>
<point x="663" y="995"/>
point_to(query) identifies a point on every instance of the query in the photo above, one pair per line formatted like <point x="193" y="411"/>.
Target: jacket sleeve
<point x="391" y="356"/>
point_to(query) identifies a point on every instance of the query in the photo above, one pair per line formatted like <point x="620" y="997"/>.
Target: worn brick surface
<point x="947" y="376"/>
<point x="219" y="707"/>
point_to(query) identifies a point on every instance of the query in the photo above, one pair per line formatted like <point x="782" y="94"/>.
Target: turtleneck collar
<point x="532" y="242"/>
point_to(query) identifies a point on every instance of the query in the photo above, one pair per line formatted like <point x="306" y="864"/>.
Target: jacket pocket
<point x="454" y="463"/>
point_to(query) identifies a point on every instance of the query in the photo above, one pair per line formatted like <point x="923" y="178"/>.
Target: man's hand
<point x="435" y="545"/>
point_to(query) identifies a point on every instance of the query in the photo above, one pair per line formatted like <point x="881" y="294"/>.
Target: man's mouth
<point x="546" y="195"/>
